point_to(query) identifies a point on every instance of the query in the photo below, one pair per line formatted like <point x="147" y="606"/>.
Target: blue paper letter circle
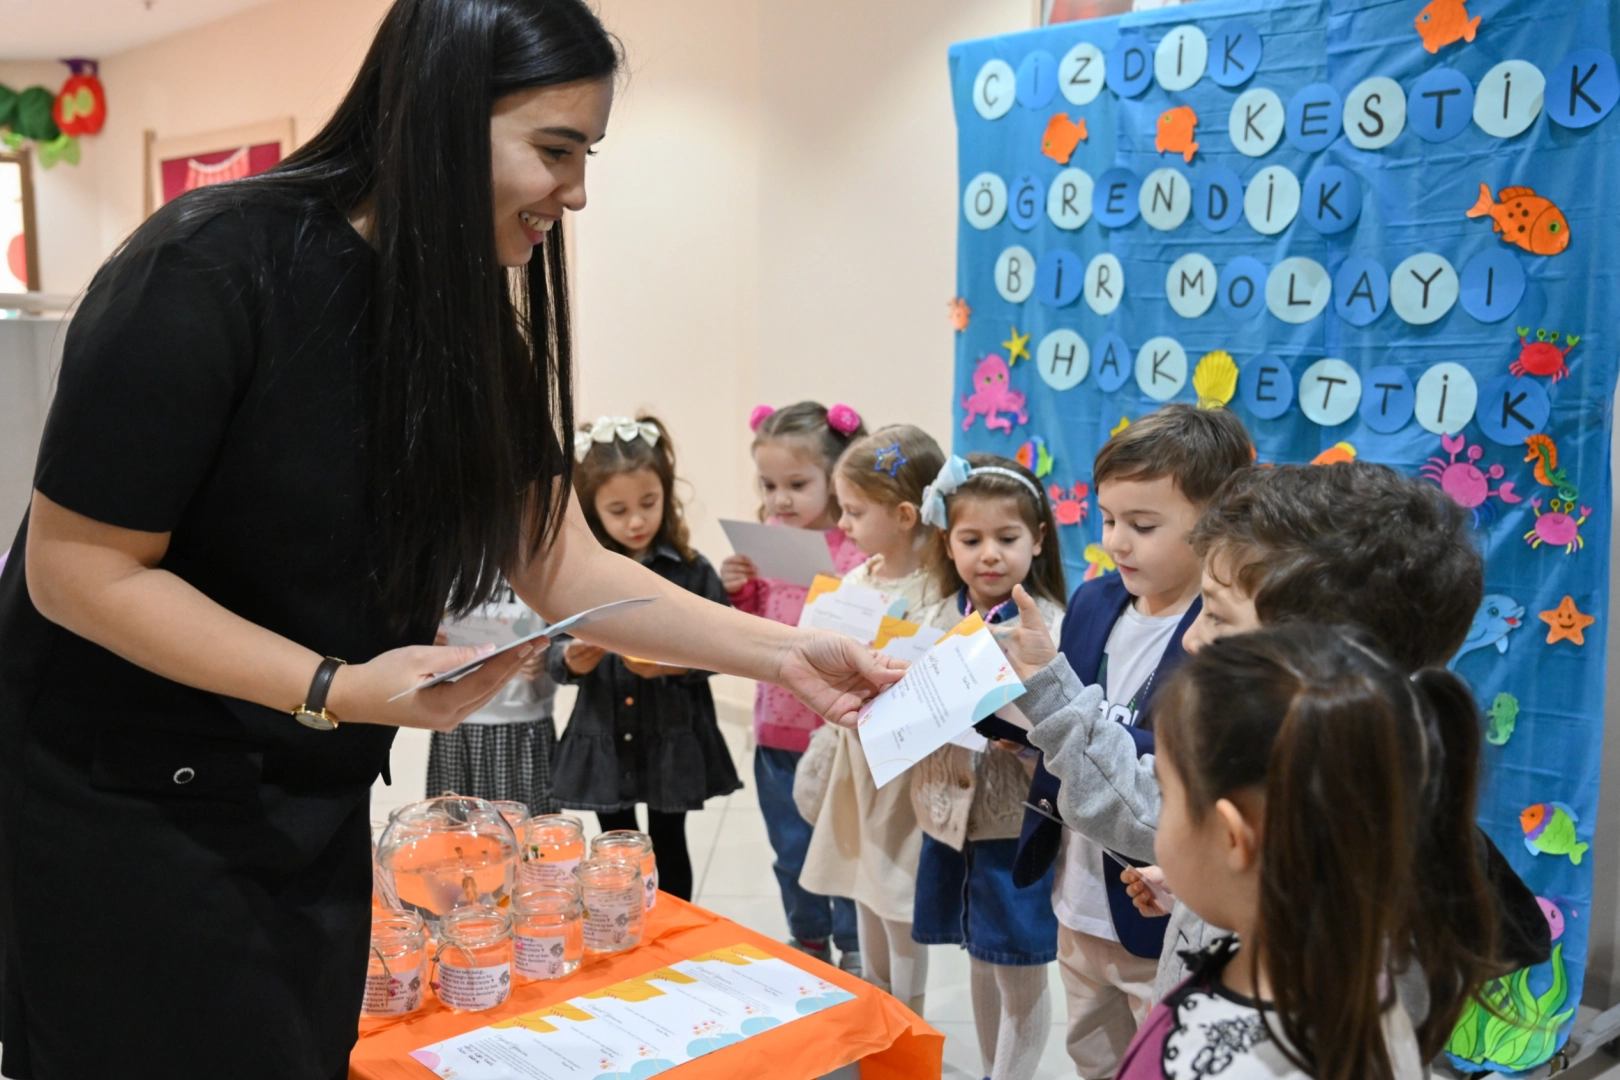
<point x="1242" y="288"/>
<point x="1026" y="200"/>
<point x="1113" y="362"/>
<point x="1234" y="53"/>
<point x="1059" y="276"/>
<point x="1360" y="290"/>
<point x="1037" y="80"/>
<point x="1583" y="88"/>
<point x="1331" y="202"/>
<point x="1218" y="198"/>
<point x="1316" y="116"/>
<point x="1130" y="65"/>
<point x="1440" y="104"/>
<point x="1492" y="284"/>
<point x="1267" y="386"/>
<point x="1387" y="398"/>
<point x="1114" y="200"/>
<point x="1512" y="409"/>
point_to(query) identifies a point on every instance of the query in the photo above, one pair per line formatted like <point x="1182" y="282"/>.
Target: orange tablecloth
<point x="889" y="1040"/>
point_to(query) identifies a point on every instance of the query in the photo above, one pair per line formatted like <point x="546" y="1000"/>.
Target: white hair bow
<point x="952" y="475"/>
<point x="608" y="428"/>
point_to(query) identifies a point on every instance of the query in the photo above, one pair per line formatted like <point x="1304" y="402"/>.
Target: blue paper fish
<point x="1497" y="617"/>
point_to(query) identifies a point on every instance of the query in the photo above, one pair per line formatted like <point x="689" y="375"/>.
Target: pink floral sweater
<point x="781" y="721"/>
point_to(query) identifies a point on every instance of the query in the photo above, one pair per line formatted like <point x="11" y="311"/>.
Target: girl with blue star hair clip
<point x="865" y="841"/>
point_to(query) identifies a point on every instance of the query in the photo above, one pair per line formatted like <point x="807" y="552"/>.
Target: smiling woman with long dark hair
<point x="298" y="418"/>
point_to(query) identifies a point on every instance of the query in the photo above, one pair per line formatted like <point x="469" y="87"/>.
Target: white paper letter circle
<point x="995" y="89"/>
<point x="1256" y="122"/>
<point x="1082" y="73"/>
<point x="1298" y="290"/>
<point x="1015" y="274"/>
<point x="1446" y="398"/>
<point x="985" y="200"/>
<point x="1271" y="200"/>
<point x="1509" y="98"/>
<point x="1165" y="199"/>
<point x="1423" y="288"/>
<point x="1179" y="61"/>
<point x="1062" y="359"/>
<point x="1161" y="368"/>
<point x="1068" y="200"/>
<point x="1374" y="113"/>
<point x="1190" y="285"/>
<point x="1329" y="392"/>
<point x="1105" y="283"/>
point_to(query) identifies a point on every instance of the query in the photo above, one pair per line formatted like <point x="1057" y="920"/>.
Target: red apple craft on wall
<point x="81" y="105"/>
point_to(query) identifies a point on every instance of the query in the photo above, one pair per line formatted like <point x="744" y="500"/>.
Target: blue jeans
<point x="810" y="917"/>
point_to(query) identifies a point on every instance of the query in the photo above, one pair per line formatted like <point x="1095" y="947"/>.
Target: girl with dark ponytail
<point x="1320" y="804"/>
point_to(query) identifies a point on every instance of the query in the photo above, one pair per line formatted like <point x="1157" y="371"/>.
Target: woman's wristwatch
<point x="312" y="713"/>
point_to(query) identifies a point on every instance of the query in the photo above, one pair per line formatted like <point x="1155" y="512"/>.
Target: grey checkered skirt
<point x="495" y="761"/>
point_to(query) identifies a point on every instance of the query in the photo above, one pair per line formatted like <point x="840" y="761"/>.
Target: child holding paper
<point x="866" y="842"/>
<point x="641" y="732"/>
<point x="1124" y="632"/>
<point x="1304" y="774"/>
<point x="995" y="531"/>
<point x="794" y="452"/>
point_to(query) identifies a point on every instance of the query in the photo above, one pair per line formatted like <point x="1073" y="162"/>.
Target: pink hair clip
<point x="760" y="414"/>
<point x="843" y="419"/>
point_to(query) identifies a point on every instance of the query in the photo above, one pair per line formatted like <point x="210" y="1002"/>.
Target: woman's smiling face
<point x="539" y="140"/>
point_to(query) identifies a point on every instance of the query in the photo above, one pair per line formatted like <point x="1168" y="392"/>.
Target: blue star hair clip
<point x="889" y="460"/>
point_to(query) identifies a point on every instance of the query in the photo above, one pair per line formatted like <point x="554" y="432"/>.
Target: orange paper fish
<point x="1442" y="22"/>
<point x="1524" y="218"/>
<point x="1062" y="136"/>
<point x="1176" y="127"/>
<point x="1337" y="454"/>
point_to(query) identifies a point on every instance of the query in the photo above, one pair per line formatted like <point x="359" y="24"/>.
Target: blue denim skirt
<point x="968" y="898"/>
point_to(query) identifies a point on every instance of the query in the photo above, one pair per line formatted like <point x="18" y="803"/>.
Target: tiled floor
<point x="732" y="873"/>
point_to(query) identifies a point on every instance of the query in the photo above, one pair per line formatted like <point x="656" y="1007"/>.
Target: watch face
<point x="318" y="721"/>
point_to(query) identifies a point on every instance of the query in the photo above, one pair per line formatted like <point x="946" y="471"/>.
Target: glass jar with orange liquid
<point x="636" y="847"/>
<point x="394" y="971"/>
<point x="553" y="846"/>
<point x="513" y="811"/>
<point x="443" y="854"/>
<point x="473" y="965"/>
<point x="548" y="931"/>
<point x="615" y="910"/>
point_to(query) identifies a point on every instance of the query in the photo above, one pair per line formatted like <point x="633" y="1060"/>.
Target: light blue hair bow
<point x="952" y="475"/>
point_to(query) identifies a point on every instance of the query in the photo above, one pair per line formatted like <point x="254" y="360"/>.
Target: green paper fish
<point x="1503" y="715"/>
<point x="1549" y="829"/>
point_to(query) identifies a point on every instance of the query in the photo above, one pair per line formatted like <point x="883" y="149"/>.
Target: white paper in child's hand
<point x="961" y="680"/>
<point x="904" y="640"/>
<point x="852" y="610"/>
<point x="792" y="555"/>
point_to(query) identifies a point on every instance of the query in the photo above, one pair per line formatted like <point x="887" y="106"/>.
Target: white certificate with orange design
<point x="852" y="610"/>
<point x="961" y="680"/>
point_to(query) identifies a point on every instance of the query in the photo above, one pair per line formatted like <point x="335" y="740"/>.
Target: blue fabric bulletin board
<point x="1380" y="276"/>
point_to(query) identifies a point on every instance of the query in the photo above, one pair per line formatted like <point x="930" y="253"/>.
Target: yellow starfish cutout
<point x="1565" y="622"/>
<point x="1124" y="422"/>
<point x="1016" y="346"/>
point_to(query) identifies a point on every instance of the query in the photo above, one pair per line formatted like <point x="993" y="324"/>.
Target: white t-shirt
<point x="522" y="700"/>
<point x="1135" y="646"/>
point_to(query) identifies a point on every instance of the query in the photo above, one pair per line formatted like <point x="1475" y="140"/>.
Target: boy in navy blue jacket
<point x="1123" y="633"/>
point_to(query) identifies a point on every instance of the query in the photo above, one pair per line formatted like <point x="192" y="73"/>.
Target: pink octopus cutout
<point x="991" y="394"/>
<point x="1467" y="484"/>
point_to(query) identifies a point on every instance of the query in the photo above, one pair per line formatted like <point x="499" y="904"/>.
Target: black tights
<point x="668" y="832"/>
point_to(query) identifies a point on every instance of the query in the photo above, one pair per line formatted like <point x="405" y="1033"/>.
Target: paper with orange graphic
<point x="961" y="680"/>
<point x="852" y="610"/>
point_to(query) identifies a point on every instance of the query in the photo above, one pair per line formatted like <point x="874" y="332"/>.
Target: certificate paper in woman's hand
<point x="961" y="680"/>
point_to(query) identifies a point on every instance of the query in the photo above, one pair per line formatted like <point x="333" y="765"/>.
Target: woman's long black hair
<point x="468" y="394"/>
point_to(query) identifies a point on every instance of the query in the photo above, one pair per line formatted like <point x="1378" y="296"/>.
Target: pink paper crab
<point x="1467" y="484"/>
<point x="1556" y="527"/>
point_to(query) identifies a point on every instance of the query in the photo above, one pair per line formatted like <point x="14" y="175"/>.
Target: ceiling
<point x="52" y="29"/>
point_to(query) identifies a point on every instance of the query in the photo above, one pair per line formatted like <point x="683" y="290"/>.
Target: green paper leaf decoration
<point x="62" y="148"/>
<point x="8" y="106"/>
<point x="33" y="119"/>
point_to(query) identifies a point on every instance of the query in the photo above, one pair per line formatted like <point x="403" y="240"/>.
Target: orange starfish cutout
<point x="960" y="313"/>
<point x="1564" y="622"/>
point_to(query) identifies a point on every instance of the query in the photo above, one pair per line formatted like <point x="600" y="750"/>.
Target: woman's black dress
<point x="215" y="927"/>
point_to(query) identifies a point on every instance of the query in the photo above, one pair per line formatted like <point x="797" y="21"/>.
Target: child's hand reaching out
<point x="737" y="571"/>
<point x="582" y="658"/>
<point x="1146" y="887"/>
<point x="1028" y="645"/>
